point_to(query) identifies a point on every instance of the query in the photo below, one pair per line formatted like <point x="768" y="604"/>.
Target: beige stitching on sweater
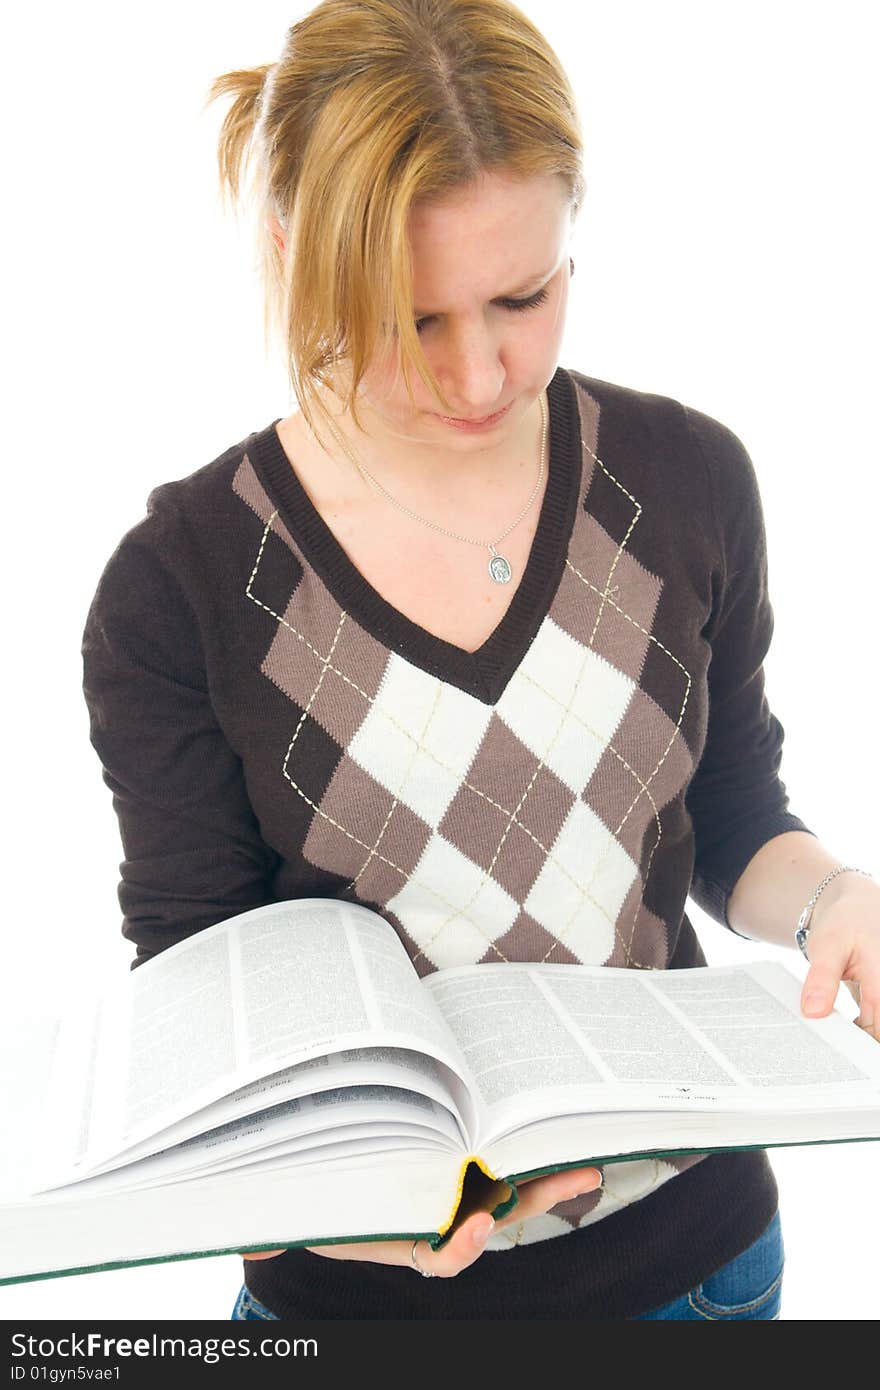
<point x="644" y="790"/>
<point x="488" y="872"/>
<point x="623" y="543"/>
<point x="372" y="851"/>
<point x="327" y="665"/>
<point x="314" y="693"/>
<point x="278" y="618"/>
<point x="584" y="892"/>
<point x="512" y="817"/>
<point x="657" y="1180"/>
<point x="396" y="799"/>
<point x="605" y="598"/>
<point x="605" y="593"/>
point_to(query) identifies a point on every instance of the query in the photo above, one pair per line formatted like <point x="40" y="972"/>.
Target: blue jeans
<point x="748" y="1288"/>
<point x="248" y="1309"/>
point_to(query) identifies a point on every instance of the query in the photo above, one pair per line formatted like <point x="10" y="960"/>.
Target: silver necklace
<point x="499" y="566"/>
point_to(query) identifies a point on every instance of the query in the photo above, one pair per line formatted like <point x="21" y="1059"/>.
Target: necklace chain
<point x="499" y="568"/>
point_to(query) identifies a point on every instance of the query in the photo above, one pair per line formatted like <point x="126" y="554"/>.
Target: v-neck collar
<point x="485" y="672"/>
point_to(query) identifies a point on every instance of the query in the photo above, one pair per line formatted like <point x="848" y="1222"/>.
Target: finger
<point x="381" y="1252"/>
<point x="465" y="1246"/>
<point x="464" y="1249"/>
<point x="260" y="1254"/>
<point x="826" y="971"/>
<point x="538" y="1195"/>
<point x="572" y="1182"/>
<point x="869" y="1013"/>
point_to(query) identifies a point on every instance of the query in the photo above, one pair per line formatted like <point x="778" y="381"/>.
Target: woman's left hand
<point x="844" y="946"/>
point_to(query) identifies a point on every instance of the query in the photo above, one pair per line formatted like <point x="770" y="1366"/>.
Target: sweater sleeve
<point x="192" y="850"/>
<point x="736" y="799"/>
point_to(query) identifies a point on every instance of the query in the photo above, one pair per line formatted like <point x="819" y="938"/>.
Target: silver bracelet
<point x="802" y="930"/>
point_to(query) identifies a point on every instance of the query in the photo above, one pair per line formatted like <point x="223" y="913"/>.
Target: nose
<point x="471" y="370"/>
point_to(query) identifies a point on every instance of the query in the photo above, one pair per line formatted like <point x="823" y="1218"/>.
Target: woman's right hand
<point x="536" y="1195"/>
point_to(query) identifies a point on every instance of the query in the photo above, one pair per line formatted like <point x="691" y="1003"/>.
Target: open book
<point x="286" y="1078"/>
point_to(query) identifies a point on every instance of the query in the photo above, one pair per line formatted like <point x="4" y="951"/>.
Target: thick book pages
<point x="286" y="1078"/>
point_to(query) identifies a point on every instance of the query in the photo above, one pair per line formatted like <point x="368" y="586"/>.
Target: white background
<point x="726" y="256"/>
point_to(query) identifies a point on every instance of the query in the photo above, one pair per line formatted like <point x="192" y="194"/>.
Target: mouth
<point x="486" y="422"/>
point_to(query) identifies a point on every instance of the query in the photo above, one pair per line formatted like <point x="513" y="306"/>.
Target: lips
<point x="483" y="420"/>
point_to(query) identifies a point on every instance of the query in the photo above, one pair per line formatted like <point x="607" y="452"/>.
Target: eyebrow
<point x="534" y="282"/>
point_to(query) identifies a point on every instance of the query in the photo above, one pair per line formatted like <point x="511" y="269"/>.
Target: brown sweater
<point x="272" y="728"/>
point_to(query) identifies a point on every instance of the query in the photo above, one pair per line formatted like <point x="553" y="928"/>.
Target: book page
<point x="514" y="1038"/>
<point x="27" y="1049"/>
<point x="751" y="1018"/>
<point x="292" y="1128"/>
<point x="357" y="1066"/>
<point x="544" y="1040"/>
<point x="263" y="991"/>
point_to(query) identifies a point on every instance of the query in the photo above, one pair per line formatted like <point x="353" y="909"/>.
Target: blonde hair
<point x="373" y="106"/>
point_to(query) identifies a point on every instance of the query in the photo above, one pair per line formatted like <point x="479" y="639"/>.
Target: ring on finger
<point x="425" y="1273"/>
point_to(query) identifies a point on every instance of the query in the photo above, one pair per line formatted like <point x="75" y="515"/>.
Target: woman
<point x="468" y="637"/>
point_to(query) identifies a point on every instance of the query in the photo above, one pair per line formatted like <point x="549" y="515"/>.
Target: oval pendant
<point x="499" y="569"/>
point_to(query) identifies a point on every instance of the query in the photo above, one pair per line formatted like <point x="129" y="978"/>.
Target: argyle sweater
<point x="272" y="728"/>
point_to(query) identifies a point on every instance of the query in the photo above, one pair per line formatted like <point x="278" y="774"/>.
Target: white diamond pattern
<point x="565" y="703"/>
<point x="581" y="888"/>
<point x="444" y="876"/>
<point x="419" y="738"/>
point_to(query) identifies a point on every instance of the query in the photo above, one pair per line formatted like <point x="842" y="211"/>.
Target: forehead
<point x="498" y="225"/>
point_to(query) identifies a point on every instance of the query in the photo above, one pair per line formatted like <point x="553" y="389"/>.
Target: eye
<point x="515" y="305"/>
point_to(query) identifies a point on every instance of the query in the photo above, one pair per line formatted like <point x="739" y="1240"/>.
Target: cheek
<point x="534" y="344"/>
<point x="534" y="348"/>
<point x="383" y="380"/>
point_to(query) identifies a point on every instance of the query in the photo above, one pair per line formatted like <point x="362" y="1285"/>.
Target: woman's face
<point x="498" y="240"/>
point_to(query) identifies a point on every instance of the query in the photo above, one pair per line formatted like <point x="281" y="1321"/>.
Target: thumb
<point x="822" y="982"/>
